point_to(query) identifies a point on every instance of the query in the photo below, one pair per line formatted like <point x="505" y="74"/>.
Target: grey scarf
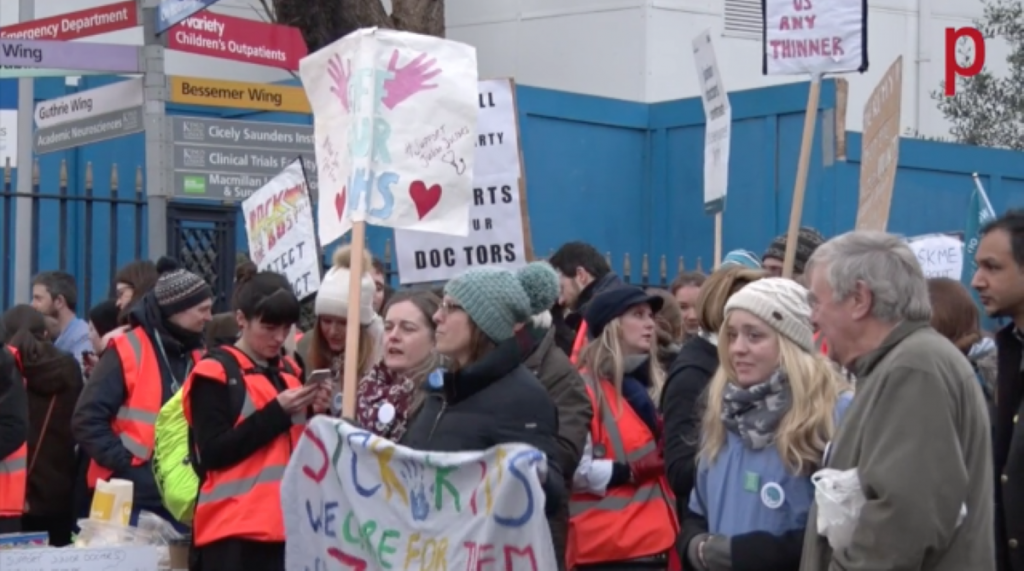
<point x="754" y="413"/>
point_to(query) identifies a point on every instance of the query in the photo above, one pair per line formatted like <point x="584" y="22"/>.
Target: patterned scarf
<point x="754" y="413"/>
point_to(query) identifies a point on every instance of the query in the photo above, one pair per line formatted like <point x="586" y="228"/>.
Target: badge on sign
<point x="772" y="496"/>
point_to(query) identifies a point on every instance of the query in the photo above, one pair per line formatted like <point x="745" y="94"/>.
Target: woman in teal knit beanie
<point x="488" y="397"/>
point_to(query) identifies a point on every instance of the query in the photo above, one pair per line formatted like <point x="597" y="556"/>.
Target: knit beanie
<point x="178" y="289"/>
<point x="807" y="241"/>
<point x="744" y="258"/>
<point x="782" y="305"/>
<point x="497" y="299"/>
<point x="332" y="297"/>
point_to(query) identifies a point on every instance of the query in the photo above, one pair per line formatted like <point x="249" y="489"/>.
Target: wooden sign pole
<point x="718" y="239"/>
<point x="796" y="211"/>
<point x="351" y="380"/>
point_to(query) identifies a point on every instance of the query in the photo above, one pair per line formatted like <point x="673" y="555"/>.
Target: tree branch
<point x="419" y="16"/>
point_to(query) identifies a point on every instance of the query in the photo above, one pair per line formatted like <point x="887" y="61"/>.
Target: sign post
<point x="717" y="133"/>
<point x="24" y="224"/>
<point x="158" y="165"/>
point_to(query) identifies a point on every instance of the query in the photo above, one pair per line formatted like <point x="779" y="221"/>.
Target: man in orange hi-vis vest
<point x="13" y="447"/>
<point x="582" y="273"/>
<point x="115" y="420"/>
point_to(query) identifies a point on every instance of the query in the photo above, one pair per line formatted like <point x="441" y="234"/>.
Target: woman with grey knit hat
<point x="488" y="397"/>
<point x="772" y="407"/>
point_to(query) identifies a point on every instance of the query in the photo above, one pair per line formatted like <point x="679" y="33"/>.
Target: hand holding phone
<point x="320" y="376"/>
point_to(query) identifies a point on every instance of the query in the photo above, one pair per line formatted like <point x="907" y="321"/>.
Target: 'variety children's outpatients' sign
<point x="75" y="25"/>
<point x="239" y="39"/>
<point x="279" y="223"/>
<point x="376" y="93"/>
<point x="814" y="36"/>
<point x="352" y="500"/>
<point x="496" y="236"/>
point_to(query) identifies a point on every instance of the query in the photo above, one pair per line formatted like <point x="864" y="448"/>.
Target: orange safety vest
<point x="579" y="343"/>
<point x="135" y="423"/>
<point x="629" y="522"/>
<point x="244" y="501"/>
<point x="14" y="472"/>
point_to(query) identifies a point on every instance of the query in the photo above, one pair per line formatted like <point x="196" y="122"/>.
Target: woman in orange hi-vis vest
<point x="13" y="447"/>
<point x="621" y="511"/>
<point x="244" y="430"/>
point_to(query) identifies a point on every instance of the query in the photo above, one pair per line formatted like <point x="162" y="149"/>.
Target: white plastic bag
<point x="840" y="499"/>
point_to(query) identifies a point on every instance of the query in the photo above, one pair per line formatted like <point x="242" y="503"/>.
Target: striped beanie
<point x="807" y="241"/>
<point x="178" y="289"/>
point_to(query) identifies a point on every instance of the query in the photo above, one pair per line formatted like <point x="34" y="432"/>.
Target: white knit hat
<point x="782" y="305"/>
<point x="332" y="298"/>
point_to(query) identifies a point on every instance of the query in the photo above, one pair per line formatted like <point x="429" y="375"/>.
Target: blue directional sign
<point x="170" y="12"/>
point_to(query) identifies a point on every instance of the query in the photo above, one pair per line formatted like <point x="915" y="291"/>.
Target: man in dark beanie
<point x="807" y="241"/>
<point x="114" y="421"/>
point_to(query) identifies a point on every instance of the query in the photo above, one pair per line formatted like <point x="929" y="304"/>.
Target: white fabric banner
<point x="496" y="223"/>
<point x="376" y="94"/>
<point x="358" y="502"/>
<point x="814" y="36"/>
<point x="279" y="224"/>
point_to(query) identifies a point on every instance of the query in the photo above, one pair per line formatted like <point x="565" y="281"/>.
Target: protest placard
<point x="497" y="234"/>
<point x="940" y="255"/>
<point x="279" y="224"/>
<point x="356" y="500"/>
<point x="376" y="93"/>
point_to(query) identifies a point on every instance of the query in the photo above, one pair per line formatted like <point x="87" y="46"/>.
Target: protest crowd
<point x="695" y="428"/>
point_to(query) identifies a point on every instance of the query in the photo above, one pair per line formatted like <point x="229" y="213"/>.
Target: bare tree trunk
<point x="324" y="21"/>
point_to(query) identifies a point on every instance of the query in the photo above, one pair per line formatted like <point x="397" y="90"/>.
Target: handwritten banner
<point x="359" y="501"/>
<point x="279" y="224"/>
<point x="80" y="559"/>
<point x="814" y="36"/>
<point x="375" y="93"/>
<point x="940" y="255"/>
<point x="496" y="236"/>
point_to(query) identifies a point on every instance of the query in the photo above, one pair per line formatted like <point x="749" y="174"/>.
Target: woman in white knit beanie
<point x="324" y="346"/>
<point x="773" y="406"/>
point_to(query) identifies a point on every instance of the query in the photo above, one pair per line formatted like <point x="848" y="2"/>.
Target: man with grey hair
<point x="917" y="433"/>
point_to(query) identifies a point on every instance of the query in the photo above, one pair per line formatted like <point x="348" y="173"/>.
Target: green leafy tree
<point x="988" y="110"/>
<point x="324" y="21"/>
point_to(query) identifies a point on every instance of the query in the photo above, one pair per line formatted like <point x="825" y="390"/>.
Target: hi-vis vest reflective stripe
<point x="244" y="501"/>
<point x="629" y="522"/>
<point x="579" y="343"/>
<point x="135" y="423"/>
<point x="14" y="471"/>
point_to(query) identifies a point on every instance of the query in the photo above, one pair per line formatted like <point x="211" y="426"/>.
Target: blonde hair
<point x="603" y="358"/>
<point x="807" y="426"/>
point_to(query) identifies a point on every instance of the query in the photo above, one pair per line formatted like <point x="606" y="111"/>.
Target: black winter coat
<point x="681" y="409"/>
<point x="493" y="401"/>
<point x="1008" y="450"/>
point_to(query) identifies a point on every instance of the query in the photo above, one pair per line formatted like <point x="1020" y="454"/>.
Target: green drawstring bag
<point x="172" y="463"/>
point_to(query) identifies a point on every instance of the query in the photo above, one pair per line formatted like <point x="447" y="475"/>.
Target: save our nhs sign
<point x="170" y="12"/>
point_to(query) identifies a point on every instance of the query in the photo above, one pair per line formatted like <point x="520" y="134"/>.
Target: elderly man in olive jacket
<point x="917" y="432"/>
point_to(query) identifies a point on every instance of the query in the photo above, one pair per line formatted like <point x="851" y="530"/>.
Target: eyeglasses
<point x="448" y="306"/>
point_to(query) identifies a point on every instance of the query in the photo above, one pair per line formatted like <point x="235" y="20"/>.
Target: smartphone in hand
<point x="320" y="376"/>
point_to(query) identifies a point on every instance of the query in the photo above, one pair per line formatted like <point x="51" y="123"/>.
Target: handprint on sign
<point x="408" y="80"/>
<point x="413" y="476"/>
<point x="340" y="73"/>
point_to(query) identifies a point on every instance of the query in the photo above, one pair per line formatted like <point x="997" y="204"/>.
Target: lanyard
<point x="175" y="385"/>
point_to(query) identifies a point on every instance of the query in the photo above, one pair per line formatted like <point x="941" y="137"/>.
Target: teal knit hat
<point x="497" y="299"/>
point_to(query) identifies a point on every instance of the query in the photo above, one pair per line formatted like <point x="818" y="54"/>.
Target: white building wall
<point x="639" y="50"/>
<point x="178" y="63"/>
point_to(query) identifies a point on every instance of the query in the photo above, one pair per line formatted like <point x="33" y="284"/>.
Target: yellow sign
<point x="238" y="95"/>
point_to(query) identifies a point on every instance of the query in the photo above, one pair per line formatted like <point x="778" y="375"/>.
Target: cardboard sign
<point x="352" y="500"/>
<point x="880" y="150"/>
<point x="496" y="236"/>
<point x="279" y="223"/>
<point x="375" y="94"/>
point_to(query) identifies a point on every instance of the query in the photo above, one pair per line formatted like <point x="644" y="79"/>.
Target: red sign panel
<point x="74" y="25"/>
<point x="239" y="39"/>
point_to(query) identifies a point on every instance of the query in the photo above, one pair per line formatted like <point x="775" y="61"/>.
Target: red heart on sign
<point x="424" y="198"/>
<point x="339" y="201"/>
